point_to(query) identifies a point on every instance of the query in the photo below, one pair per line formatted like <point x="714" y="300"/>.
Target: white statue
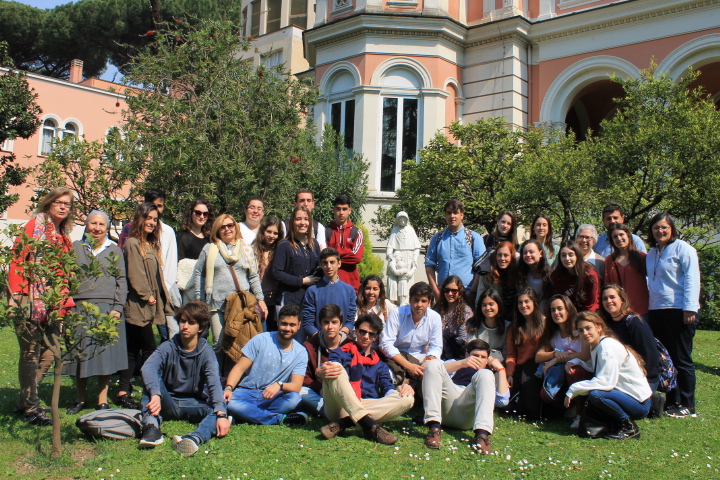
<point x="403" y="250"/>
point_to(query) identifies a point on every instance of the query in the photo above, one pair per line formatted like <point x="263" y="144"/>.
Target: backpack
<point x="667" y="371"/>
<point x="353" y="234"/>
<point x="115" y="423"/>
<point x="468" y="238"/>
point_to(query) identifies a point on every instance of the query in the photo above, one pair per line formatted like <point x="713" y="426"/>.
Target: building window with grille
<point x="298" y="13"/>
<point x="255" y="18"/>
<point x="273" y="15"/>
<point x="49" y="132"/>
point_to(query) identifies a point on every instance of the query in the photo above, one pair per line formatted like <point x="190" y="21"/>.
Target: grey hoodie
<point x="185" y="374"/>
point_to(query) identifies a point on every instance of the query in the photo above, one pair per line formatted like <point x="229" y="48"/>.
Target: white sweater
<point x="615" y="367"/>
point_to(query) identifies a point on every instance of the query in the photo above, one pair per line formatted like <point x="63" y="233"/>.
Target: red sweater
<point x="632" y="280"/>
<point x="519" y="354"/>
<point x="565" y="285"/>
<point x="351" y="253"/>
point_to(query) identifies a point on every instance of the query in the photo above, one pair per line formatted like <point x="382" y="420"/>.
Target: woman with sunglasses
<point x="214" y="278"/>
<point x="674" y="286"/>
<point x="454" y="313"/>
<point x="195" y="234"/>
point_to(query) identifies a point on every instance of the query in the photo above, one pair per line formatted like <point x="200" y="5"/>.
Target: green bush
<point x="710" y="288"/>
<point x="371" y="264"/>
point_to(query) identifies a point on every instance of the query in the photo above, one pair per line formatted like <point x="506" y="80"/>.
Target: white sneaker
<point x="576" y="423"/>
<point x="185" y="446"/>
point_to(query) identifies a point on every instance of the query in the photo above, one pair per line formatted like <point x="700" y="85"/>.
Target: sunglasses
<point x="228" y="226"/>
<point x="365" y="333"/>
<point x="199" y="213"/>
<point x="451" y="290"/>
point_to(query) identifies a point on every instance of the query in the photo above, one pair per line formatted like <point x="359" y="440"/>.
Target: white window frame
<point x="395" y="93"/>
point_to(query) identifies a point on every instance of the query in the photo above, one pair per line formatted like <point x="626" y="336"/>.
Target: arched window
<point x="49" y="132"/>
<point x="71" y="130"/>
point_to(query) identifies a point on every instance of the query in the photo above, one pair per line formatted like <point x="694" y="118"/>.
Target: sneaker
<point x="681" y="412"/>
<point x="102" y="406"/>
<point x="575" y="423"/>
<point x="126" y="401"/>
<point x="382" y="436"/>
<point x="331" y="430"/>
<point x="432" y="440"/>
<point x="297" y="418"/>
<point x="482" y="444"/>
<point x="628" y="430"/>
<point x="150" y="437"/>
<point x="185" y="445"/>
<point x="75" y="408"/>
<point x="38" y="418"/>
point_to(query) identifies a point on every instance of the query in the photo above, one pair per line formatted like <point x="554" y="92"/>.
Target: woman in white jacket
<point x="619" y="387"/>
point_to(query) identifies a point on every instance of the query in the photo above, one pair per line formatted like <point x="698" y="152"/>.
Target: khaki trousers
<point x="458" y="407"/>
<point x="341" y="401"/>
<point x="34" y="362"/>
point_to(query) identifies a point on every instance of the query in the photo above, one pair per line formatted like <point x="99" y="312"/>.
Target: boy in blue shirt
<point x="329" y="290"/>
<point x="176" y="376"/>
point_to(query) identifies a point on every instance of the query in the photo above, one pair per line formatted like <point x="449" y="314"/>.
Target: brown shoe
<point x="380" y="435"/>
<point x="331" y="430"/>
<point x="482" y="444"/>
<point x="433" y="438"/>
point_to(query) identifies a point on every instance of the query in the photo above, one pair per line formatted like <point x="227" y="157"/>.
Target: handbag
<point x="481" y="266"/>
<point x="185" y="273"/>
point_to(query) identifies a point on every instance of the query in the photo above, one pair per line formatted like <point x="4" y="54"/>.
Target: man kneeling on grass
<point x="175" y="377"/>
<point x="357" y="387"/>
<point x="462" y="394"/>
<point x="269" y="375"/>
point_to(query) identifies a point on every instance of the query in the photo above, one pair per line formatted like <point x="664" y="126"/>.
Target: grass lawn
<point x="669" y="448"/>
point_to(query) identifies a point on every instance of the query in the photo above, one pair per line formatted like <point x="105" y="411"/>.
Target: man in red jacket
<point x="346" y="239"/>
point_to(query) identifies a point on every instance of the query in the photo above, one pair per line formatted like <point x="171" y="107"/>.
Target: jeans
<point x="619" y="405"/>
<point x="248" y="405"/>
<point x="669" y="327"/>
<point x="180" y="408"/>
<point x="312" y="402"/>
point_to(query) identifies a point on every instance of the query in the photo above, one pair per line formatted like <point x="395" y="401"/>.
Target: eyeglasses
<point x="255" y="209"/>
<point x="199" y="213"/>
<point x="451" y="290"/>
<point x="228" y="226"/>
<point x="584" y="237"/>
<point x="365" y="333"/>
<point x="660" y="228"/>
<point x="59" y="203"/>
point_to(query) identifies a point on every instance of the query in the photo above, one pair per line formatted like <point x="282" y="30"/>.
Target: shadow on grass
<point x="701" y="367"/>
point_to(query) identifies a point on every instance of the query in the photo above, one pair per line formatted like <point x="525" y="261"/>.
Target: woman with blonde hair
<point x="226" y="254"/>
<point x="53" y="221"/>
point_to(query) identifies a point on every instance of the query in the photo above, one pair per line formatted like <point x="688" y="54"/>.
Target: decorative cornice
<point x="497" y="39"/>
<point x="621" y="21"/>
<point x="385" y="31"/>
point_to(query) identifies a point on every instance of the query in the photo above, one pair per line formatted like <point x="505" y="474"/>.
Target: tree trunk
<point x="56" y="350"/>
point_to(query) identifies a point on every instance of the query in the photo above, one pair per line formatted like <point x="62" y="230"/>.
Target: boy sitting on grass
<point x="175" y="378"/>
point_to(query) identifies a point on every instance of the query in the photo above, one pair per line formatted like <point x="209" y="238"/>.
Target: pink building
<point x="75" y="107"/>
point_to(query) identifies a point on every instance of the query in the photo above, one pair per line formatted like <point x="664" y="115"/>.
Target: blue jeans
<point x="248" y="405"/>
<point x="180" y="408"/>
<point x="312" y="401"/>
<point x="619" y="405"/>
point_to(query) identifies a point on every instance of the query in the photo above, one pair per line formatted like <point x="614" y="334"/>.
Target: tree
<point x="19" y="118"/>
<point x="215" y="126"/>
<point x="661" y="152"/>
<point x="94" y="171"/>
<point x="64" y="331"/>
<point x="475" y="171"/>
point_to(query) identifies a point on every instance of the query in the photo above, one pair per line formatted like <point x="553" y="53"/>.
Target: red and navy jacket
<point x="351" y="252"/>
<point x="375" y="381"/>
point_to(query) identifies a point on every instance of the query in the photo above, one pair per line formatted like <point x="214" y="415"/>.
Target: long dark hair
<point x="543" y="267"/>
<point x="579" y="272"/>
<point x="637" y="262"/>
<point x="188" y="216"/>
<point x="548" y="239"/>
<point x="527" y="329"/>
<point x="260" y="245"/>
<point x="512" y="237"/>
<point x="551" y="327"/>
<point x="596" y="319"/>
<point x="496" y="274"/>
<point x="473" y="325"/>
<point x="361" y="301"/>
<point x="442" y="306"/>
<point x="138" y="226"/>
<point x="626" y="308"/>
<point x="293" y="233"/>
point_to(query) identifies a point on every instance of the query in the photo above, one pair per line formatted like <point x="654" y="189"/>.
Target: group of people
<point x="335" y="347"/>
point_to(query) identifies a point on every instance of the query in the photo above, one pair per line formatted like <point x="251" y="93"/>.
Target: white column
<point x="367" y="127"/>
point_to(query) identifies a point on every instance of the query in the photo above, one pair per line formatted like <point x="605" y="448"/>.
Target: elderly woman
<point x="586" y="237"/>
<point x="674" y="283"/>
<point x="52" y="223"/>
<point x="108" y="292"/>
<point x="214" y="280"/>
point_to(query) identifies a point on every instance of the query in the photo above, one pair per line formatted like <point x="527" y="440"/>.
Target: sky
<point x="111" y="70"/>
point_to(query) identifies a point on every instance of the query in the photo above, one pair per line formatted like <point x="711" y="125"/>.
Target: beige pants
<point x="35" y="360"/>
<point x="458" y="407"/>
<point x="341" y="401"/>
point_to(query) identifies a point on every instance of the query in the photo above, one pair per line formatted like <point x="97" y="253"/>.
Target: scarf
<point x="44" y="231"/>
<point x="230" y="259"/>
<point x="358" y="362"/>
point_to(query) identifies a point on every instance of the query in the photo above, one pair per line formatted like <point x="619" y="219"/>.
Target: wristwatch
<point x="281" y="384"/>
<point x="221" y="415"/>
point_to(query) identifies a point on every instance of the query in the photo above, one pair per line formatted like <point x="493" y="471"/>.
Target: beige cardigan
<point x="142" y="277"/>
